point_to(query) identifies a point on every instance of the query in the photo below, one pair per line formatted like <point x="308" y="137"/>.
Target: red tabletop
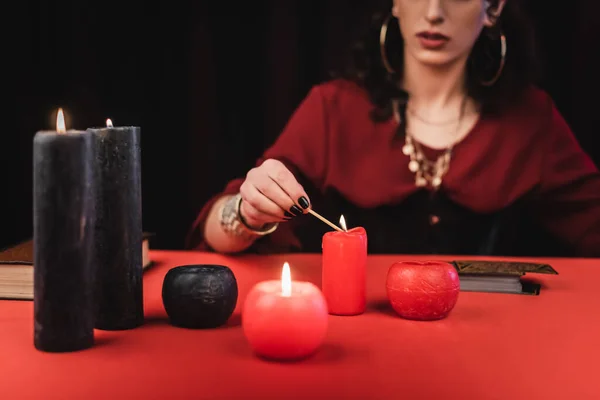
<point x="492" y="346"/>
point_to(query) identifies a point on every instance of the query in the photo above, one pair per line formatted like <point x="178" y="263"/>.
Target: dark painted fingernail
<point x="296" y="210"/>
<point x="303" y="202"/>
<point x="287" y="214"/>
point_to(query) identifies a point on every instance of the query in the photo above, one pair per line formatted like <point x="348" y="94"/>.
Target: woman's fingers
<point x="271" y="190"/>
<point x="271" y="193"/>
<point x="256" y="208"/>
<point x="253" y="217"/>
<point x="282" y="176"/>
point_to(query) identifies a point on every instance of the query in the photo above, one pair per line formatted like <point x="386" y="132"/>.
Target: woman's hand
<point x="270" y="194"/>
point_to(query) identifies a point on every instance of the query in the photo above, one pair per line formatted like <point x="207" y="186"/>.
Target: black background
<point x="211" y="84"/>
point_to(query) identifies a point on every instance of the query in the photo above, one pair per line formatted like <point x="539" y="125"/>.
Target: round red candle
<point x="422" y="290"/>
<point x="285" y="320"/>
<point x="344" y="271"/>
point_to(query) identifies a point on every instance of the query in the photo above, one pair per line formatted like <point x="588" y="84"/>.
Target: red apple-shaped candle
<point x="285" y="320"/>
<point x="422" y="290"/>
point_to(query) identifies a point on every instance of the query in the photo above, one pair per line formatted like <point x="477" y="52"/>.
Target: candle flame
<point x="60" y="121"/>
<point x="343" y="223"/>
<point x="109" y="123"/>
<point x="286" y="281"/>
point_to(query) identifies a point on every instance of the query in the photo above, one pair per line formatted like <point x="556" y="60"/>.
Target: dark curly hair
<point x="365" y="66"/>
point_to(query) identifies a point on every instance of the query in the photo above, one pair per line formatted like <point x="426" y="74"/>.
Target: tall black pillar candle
<point x="118" y="234"/>
<point x="63" y="218"/>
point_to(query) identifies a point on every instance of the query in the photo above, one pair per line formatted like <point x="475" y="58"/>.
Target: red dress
<point x="514" y="179"/>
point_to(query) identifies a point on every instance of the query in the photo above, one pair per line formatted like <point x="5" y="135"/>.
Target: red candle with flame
<point x="344" y="270"/>
<point x="285" y="320"/>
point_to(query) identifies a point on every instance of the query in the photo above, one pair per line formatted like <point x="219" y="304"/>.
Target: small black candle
<point x="199" y="296"/>
<point x="63" y="218"/>
<point x="118" y="234"/>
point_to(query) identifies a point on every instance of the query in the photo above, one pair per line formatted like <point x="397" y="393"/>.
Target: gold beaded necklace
<point x="427" y="172"/>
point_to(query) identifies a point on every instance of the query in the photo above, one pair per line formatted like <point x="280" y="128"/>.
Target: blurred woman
<point x="434" y="139"/>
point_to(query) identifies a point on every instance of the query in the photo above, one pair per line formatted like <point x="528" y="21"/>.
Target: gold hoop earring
<point x="492" y="81"/>
<point x="382" y="38"/>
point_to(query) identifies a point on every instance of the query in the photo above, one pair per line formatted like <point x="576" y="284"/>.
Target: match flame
<point x="286" y="281"/>
<point x="60" y="122"/>
<point x="109" y="123"/>
<point x="343" y="223"/>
